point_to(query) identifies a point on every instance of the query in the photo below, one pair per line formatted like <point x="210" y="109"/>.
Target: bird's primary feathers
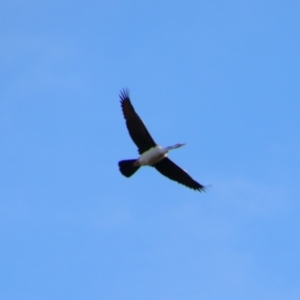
<point x="151" y="153"/>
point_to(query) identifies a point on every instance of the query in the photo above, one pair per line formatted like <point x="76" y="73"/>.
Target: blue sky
<point x="221" y="76"/>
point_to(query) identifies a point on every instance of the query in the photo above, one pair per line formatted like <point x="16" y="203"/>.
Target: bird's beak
<point x="183" y="144"/>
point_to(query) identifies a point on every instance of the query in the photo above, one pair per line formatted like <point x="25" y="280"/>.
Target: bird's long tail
<point x="127" y="168"/>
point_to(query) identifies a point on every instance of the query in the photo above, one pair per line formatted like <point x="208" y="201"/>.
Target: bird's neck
<point x="171" y="148"/>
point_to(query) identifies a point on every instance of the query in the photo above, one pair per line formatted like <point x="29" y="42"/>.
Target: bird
<point x="151" y="154"/>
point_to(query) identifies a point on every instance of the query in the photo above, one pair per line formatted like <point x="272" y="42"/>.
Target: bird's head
<point x="178" y="145"/>
<point x="175" y="146"/>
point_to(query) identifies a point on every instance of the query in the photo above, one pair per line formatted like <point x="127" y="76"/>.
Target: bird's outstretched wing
<point x="172" y="171"/>
<point x="135" y="125"/>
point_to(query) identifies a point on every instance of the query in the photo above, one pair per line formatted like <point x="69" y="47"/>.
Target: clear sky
<point x="221" y="76"/>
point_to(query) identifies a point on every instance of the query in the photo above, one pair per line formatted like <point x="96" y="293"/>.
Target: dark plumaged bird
<point x="151" y="154"/>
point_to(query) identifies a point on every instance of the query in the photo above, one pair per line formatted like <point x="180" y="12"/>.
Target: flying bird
<point x="151" y="154"/>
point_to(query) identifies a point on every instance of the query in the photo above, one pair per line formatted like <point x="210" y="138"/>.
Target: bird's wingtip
<point x="124" y="93"/>
<point x="204" y="188"/>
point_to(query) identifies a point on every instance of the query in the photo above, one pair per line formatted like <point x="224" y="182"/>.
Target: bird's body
<point x="151" y="154"/>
